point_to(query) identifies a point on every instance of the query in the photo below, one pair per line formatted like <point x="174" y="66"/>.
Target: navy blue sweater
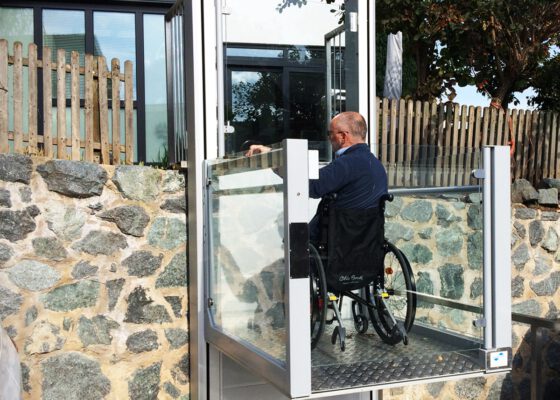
<point x="357" y="177"/>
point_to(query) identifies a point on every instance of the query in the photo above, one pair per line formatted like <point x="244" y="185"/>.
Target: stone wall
<point x="93" y="278"/>
<point x="442" y="238"/>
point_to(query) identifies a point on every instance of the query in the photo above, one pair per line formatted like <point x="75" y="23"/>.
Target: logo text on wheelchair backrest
<point x="350" y="278"/>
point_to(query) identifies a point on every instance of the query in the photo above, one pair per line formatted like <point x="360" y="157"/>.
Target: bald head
<point x="353" y="123"/>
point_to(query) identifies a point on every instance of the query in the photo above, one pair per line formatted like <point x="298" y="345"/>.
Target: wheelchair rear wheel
<point x="394" y="298"/>
<point x="318" y="296"/>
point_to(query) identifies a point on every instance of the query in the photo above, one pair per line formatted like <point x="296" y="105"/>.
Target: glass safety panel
<point x="247" y="270"/>
<point x="435" y="220"/>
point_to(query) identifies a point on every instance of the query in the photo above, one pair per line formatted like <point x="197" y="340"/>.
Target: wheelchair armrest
<point x="386" y="197"/>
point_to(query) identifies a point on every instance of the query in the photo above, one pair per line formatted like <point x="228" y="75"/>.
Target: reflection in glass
<point x="114" y="36"/>
<point x="16" y="25"/>
<point x="248" y="271"/>
<point x="294" y="59"/>
<point x="256" y="108"/>
<point x="65" y="29"/>
<point x="155" y="90"/>
<point x="307" y="109"/>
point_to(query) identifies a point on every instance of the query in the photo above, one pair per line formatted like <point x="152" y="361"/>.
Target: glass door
<point x="257" y="264"/>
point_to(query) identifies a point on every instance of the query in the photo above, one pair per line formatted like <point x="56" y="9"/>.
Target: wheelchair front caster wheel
<point x="341" y="334"/>
<point x="360" y="323"/>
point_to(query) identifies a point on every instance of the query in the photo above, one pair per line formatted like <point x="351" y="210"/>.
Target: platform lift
<point x="257" y="293"/>
<point x="248" y="276"/>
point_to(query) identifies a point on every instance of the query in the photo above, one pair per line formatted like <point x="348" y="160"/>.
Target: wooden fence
<point x="95" y="143"/>
<point x="425" y="143"/>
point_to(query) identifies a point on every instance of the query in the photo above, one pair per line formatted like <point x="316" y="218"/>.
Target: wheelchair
<point x="386" y="298"/>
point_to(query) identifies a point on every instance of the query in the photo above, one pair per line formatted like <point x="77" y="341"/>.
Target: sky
<point x="468" y="95"/>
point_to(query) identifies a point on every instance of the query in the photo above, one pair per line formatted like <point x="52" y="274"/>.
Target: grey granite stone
<point x="520" y="256"/>
<point x="167" y="233"/>
<point x="449" y="241"/>
<point x="10" y="302"/>
<point x="417" y="211"/>
<point x="144" y="384"/>
<point x="33" y="275"/>
<point x="177" y="205"/>
<point x="142" y="341"/>
<point x="140" y="309"/>
<point x="72" y="178"/>
<point x="73" y="296"/>
<point x="142" y="263"/>
<point x="5" y="199"/>
<point x="517" y="287"/>
<point x="127" y="178"/>
<point x="452" y="281"/>
<point x="73" y="376"/>
<point x="84" y="269"/>
<point x="536" y="232"/>
<point x="176" y="337"/>
<point x="114" y="288"/>
<point x="96" y="330"/>
<point x="131" y="220"/>
<point x="175" y="273"/>
<point x="548" y="197"/>
<point x="100" y="242"/>
<point x="49" y="248"/>
<point x="16" y="225"/>
<point x="15" y="168"/>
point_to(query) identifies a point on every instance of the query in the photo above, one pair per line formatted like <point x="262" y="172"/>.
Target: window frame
<point x="139" y="8"/>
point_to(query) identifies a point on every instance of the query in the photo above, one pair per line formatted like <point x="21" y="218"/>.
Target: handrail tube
<point x="436" y="190"/>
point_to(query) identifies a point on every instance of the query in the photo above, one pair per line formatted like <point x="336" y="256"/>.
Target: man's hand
<point x="257" y="149"/>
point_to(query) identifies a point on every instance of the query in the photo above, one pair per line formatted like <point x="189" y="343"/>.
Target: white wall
<point x="259" y="21"/>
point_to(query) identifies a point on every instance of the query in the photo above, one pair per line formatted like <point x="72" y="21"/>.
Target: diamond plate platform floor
<point x="368" y="361"/>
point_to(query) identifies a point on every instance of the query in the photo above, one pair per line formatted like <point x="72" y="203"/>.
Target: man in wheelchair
<point x="348" y="250"/>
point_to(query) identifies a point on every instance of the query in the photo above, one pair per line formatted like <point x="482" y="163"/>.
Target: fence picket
<point x="32" y="110"/>
<point x="546" y="144"/>
<point x="18" y="97"/>
<point x="384" y="130"/>
<point x="103" y="110"/>
<point x="47" y="103"/>
<point x="88" y="156"/>
<point x="75" y="103"/>
<point x="67" y="139"/>
<point x="61" y="104"/>
<point x="116" y="104"/>
<point x="128" y="110"/>
<point x="554" y="147"/>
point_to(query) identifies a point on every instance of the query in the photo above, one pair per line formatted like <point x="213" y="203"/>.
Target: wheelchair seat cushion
<point x="355" y="247"/>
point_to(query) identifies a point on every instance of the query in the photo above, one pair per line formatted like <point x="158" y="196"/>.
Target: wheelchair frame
<point x="382" y="298"/>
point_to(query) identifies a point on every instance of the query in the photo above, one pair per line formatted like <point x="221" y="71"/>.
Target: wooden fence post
<point x="61" y="104"/>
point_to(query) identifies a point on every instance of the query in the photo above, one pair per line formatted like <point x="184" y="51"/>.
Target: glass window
<point x="256" y="109"/>
<point x="115" y="37"/>
<point x="16" y="25"/>
<point x="155" y="90"/>
<point x="65" y="29"/>
<point x="307" y="109"/>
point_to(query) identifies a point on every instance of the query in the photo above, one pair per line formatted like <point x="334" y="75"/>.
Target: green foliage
<point x="547" y="86"/>
<point x="497" y="44"/>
